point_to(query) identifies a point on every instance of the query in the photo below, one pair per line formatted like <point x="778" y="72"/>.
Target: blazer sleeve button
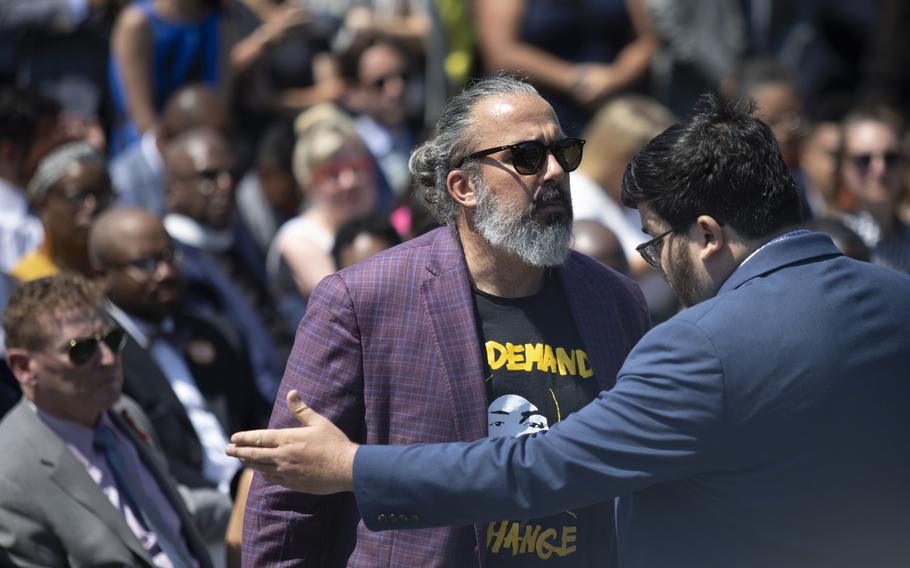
<point x="382" y="518"/>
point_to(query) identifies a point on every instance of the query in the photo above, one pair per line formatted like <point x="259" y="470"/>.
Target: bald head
<point x="194" y="106"/>
<point x="200" y="173"/>
<point x="136" y="262"/>
<point x="118" y="230"/>
<point x="600" y="243"/>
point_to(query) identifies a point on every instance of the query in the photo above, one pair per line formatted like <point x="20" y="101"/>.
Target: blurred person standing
<point x="616" y="133"/>
<point x="378" y="98"/>
<point x="69" y="189"/>
<point x="578" y="53"/>
<point x="486" y="326"/>
<point x="872" y="168"/>
<point x="86" y="486"/>
<point x="621" y="128"/>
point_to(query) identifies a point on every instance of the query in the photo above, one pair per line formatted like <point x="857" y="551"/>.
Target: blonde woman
<point x="338" y="177"/>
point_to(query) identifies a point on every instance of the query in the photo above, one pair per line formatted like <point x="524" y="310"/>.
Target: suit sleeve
<point x="286" y="528"/>
<point x="24" y="539"/>
<point x="659" y="423"/>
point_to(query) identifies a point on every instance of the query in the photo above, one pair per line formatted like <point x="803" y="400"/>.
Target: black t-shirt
<point x="537" y="373"/>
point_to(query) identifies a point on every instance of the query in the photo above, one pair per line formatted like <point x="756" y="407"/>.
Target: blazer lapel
<point x="447" y="295"/>
<point x="597" y="327"/>
<point x="155" y="465"/>
<point x="71" y="477"/>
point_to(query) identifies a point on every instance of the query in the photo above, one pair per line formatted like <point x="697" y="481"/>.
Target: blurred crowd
<point x="207" y="162"/>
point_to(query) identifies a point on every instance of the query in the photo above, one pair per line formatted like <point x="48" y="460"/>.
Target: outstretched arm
<point x="660" y="423"/>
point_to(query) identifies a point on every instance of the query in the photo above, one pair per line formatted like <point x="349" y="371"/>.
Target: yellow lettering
<point x="566" y="362"/>
<point x="529" y="542"/>
<point x="495" y="536"/>
<point x="516" y="357"/>
<point x="568" y="538"/>
<point x="496" y="355"/>
<point x="512" y="539"/>
<point x="533" y="353"/>
<point x="544" y="546"/>
<point x="584" y="366"/>
<point x="548" y="361"/>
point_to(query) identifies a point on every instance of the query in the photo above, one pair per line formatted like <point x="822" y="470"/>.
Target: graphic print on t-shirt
<point x="538" y="372"/>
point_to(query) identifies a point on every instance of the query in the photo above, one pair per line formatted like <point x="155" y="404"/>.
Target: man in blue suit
<point x="766" y="425"/>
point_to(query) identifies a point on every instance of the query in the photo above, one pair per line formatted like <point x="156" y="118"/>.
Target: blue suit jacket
<point x="767" y="426"/>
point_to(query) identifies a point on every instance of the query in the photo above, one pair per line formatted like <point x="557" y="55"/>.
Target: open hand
<point x="316" y="458"/>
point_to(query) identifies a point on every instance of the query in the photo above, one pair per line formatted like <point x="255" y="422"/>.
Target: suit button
<point x="393" y="519"/>
<point x="382" y="518"/>
<point x="414" y="518"/>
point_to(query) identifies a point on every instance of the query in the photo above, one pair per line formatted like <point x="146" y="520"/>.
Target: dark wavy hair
<point x="721" y="161"/>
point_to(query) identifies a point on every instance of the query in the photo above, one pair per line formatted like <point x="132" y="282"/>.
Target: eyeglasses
<point x="380" y="82"/>
<point x="863" y="161"/>
<point x="207" y="179"/>
<point x="100" y="199"/>
<point x="650" y="250"/>
<point x="528" y="157"/>
<point x="359" y="165"/>
<point x="149" y="264"/>
<point x="83" y="349"/>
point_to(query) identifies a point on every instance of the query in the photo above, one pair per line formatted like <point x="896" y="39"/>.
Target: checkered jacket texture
<point x="389" y="352"/>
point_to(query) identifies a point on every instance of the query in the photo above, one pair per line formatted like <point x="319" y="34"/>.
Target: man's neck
<point x="496" y="272"/>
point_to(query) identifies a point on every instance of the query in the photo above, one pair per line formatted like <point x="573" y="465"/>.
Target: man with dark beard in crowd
<point x="486" y="326"/>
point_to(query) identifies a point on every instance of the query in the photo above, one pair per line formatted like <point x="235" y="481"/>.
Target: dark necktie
<point x="130" y="488"/>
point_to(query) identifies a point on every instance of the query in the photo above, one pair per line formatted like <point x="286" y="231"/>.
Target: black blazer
<point x="223" y="376"/>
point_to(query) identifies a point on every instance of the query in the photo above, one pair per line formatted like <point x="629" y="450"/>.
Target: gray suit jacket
<point x="51" y="511"/>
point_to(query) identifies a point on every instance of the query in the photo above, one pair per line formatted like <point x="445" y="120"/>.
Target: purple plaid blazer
<point x="389" y="351"/>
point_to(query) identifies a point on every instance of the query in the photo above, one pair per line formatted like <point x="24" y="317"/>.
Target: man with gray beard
<point x="486" y="326"/>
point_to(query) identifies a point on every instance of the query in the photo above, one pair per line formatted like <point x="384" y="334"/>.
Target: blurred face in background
<point x="383" y="77"/>
<point x="779" y="106"/>
<point x="873" y="165"/>
<point x="202" y="182"/>
<point x="345" y="184"/>
<point x="818" y="159"/>
<point x="73" y="203"/>
<point x="142" y="271"/>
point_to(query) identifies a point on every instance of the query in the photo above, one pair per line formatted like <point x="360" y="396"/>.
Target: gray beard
<point x="518" y="234"/>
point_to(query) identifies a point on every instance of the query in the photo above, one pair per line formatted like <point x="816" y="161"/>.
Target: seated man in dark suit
<point x="224" y="269"/>
<point x="81" y="484"/>
<point x="182" y="368"/>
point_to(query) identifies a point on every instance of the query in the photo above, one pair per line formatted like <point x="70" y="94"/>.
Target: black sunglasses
<point x="528" y="157"/>
<point x="650" y="250"/>
<point x="83" y="349"/>
<point x="149" y="264"/>
<point x="380" y="82"/>
<point x="863" y="161"/>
